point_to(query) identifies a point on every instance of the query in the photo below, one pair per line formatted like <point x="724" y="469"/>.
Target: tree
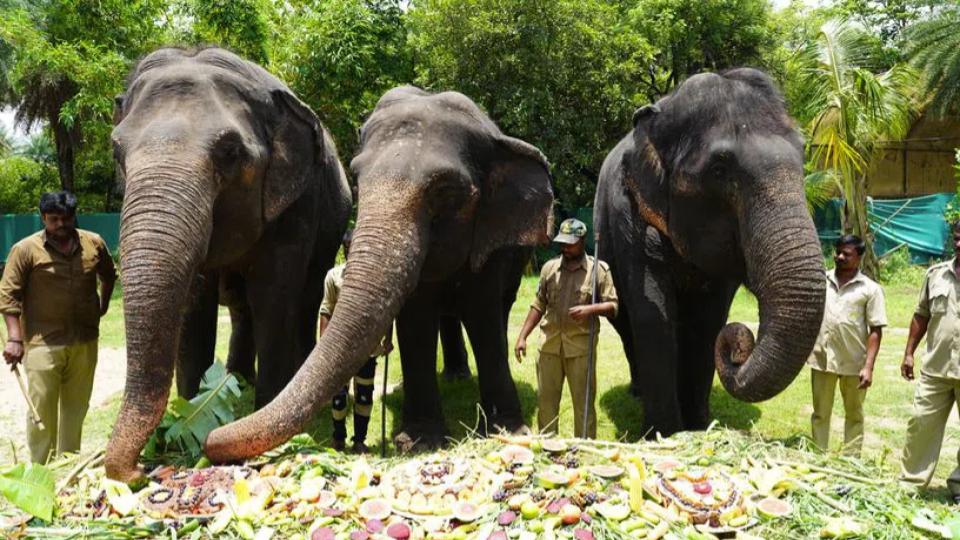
<point x="560" y="74"/>
<point x="340" y="56"/>
<point x="237" y="25"/>
<point x="933" y="46"/>
<point x="68" y="61"/>
<point x="846" y="110"/>
<point x="39" y="148"/>
<point x="6" y="141"/>
<point x="690" y="36"/>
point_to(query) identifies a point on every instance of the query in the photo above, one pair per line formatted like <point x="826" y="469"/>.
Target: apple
<point x="570" y="514"/>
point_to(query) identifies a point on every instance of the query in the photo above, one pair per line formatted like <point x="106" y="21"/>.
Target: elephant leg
<point x="241" y="359"/>
<point x="455" y="365"/>
<point x="417" y="327"/>
<point x="324" y="257"/>
<point x="623" y="326"/>
<point x="702" y="314"/>
<point x="481" y="308"/>
<point x="198" y="335"/>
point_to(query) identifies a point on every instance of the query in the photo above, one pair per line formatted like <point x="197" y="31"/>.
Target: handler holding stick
<point x="564" y="304"/>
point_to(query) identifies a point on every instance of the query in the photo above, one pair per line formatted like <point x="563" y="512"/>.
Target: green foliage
<point x="237" y="25"/>
<point x="690" y="36"/>
<point x="952" y="211"/>
<point x="39" y="148"/>
<point x="933" y="46"/>
<point x="186" y="424"/>
<point x="22" y="181"/>
<point x="846" y="109"/>
<point x="885" y="20"/>
<point x="560" y="74"/>
<point x="897" y="269"/>
<point x="29" y="486"/>
<point x="340" y="56"/>
<point x="818" y="188"/>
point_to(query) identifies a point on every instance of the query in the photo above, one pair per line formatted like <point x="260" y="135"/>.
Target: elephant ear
<point x="644" y="173"/>
<point x="296" y="154"/>
<point x="516" y="204"/>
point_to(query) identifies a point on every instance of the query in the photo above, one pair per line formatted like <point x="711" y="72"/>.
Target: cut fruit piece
<point x="326" y="499"/>
<point x="607" y="471"/>
<point x="665" y="465"/>
<point x="375" y="509"/>
<point x="553" y="445"/>
<point x="513" y="453"/>
<point x="399" y="531"/>
<point x="465" y="512"/>
<point x="614" y="512"/>
<point x="550" y="480"/>
<point x="773" y="508"/>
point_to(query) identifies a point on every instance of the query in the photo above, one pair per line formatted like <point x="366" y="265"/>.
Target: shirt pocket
<point x="939" y="299"/>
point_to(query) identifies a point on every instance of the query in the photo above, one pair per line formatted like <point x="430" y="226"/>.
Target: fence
<point x="15" y="227"/>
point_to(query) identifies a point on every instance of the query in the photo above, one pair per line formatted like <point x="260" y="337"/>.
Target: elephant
<point x="443" y="195"/>
<point x="230" y="180"/>
<point x="704" y="194"/>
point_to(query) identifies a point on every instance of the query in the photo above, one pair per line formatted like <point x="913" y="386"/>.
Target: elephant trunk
<point x="386" y="255"/>
<point x="165" y="227"/>
<point x="785" y="271"/>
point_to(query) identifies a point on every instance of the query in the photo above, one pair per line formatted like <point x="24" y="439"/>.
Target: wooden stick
<point x="23" y="389"/>
<point x="832" y="472"/>
<point x="91" y="461"/>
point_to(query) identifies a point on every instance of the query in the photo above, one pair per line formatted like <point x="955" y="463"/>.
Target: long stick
<point x="35" y="416"/>
<point x="593" y="335"/>
<point x="383" y="408"/>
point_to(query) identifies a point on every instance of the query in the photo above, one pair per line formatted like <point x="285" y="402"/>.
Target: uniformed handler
<point x="563" y="304"/>
<point x="363" y="380"/>
<point x="48" y="297"/>
<point x="938" y="390"/>
<point x="853" y="321"/>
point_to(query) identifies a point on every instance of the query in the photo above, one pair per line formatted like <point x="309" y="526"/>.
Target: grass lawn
<point x="888" y="404"/>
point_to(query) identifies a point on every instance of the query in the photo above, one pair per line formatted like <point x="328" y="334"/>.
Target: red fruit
<point x="359" y="535"/>
<point x="585" y="517"/>
<point x="399" y="531"/>
<point x="506" y="518"/>
<point x="497" y="535"/>
<point x="332" y="512"/>
<point x="323" y="533"/>
<point x="196" y="479"/>
<point x="583" y="534"/>
<point x="374" y="526"/>
<point x="703" y="488"/>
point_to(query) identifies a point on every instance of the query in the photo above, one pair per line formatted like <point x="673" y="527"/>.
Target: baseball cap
<point x="571" y="231"/>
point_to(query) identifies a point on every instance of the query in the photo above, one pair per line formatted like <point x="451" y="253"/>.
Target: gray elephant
<point x="443" y="195"/>
<point x="226" y="173"/>
<point x="703" y="195"/>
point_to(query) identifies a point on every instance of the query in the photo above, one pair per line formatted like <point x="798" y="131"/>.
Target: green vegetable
<point x="30" y="487"/>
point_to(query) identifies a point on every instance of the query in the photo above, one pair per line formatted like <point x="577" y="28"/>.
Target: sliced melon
<point x="773" y="508"/>
<point x="513" y="453"/>
<point x="465" y="512"/>
<point x="326" y="499"/>
<point x="614" y="512"/>
<point x="606" y="471"/>
<point x="375" y="509"/>
<point x="665" y="465"/>
<point x="553" y="445"/>
<point x="551" y="480"/>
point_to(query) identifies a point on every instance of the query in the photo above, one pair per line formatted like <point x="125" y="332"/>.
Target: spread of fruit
<point x="689" y="487"/>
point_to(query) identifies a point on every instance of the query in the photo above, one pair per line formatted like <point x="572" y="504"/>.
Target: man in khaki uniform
<point x="563" y="304"/>
<point x="853" y="321"/>
<point x="48" y="296"/>
<point x="363" y="380"/>
<point x="938" y="390"/>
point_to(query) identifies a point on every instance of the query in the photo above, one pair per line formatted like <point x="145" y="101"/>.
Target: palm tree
<point x="846" y="109"/>
<point x="39" y="148"/>
<point x="6" y="141"/>
<point x="933" y="46"/>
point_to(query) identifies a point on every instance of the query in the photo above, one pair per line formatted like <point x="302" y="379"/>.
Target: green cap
<point x="571" y="231"/>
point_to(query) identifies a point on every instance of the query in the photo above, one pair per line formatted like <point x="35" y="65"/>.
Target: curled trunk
<point x="785" y="271"/>
<point x="386" y="256"/>
<point x="165" y="227"/>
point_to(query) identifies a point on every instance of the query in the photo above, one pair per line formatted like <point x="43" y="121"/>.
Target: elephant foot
<point x="635" y="391"/>
<point x="418" y="440"/>
<point x="513" y="426"/>
<point x="456" y="374"/>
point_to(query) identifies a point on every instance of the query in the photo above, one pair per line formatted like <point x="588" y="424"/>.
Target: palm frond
<point x="933" y="47"/>
<point x="819" y="187"/>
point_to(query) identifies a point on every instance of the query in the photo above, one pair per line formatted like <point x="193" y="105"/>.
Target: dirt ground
<point x="108" y="381"/>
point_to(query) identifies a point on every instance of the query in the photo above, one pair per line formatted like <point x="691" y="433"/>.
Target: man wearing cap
<point x="563" y="307"/>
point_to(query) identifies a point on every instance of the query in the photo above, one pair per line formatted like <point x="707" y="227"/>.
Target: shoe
<point x="360" y="448"/>
<point x="339" y="445"/>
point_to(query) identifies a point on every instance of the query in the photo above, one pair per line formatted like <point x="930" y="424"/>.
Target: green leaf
<point x="954" y="526"/>
<point x="30" y="487"/>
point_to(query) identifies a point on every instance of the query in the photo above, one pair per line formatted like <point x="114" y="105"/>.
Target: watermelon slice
<point x="771" y="508"/>
<point x="375" y="509"/>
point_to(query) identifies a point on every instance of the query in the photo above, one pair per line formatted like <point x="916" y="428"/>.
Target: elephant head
<point x="211" y="149"/>
<point x="440" y="187"/>
<point x="717" y="168"/>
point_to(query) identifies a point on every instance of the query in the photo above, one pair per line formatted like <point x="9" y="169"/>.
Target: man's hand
<point x="581" y="313"/>
<point x="520" y="349"/>
<point x="388" y="347"/>
<point x="866" y="378"/>
<point x="13" y="353"/>
<point x="906" y="367"/>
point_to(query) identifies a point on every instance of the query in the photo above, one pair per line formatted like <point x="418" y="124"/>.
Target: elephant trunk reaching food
<point x="387" y="253"/>
<point x="786" y="273"/>
<point x="159" y="254"/>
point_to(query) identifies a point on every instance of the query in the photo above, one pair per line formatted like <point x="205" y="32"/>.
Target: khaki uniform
<point x="55" y="296"/>
<point x="839" y="355"/>
<point x="938" y="384"/>
<point x="563" y="353"/>
<point x="362" y="382"/>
